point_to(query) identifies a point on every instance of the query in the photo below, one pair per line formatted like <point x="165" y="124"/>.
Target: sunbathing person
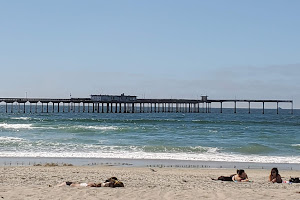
<point x="224" y="178"/>
<point x="275" y="176"/>
<point x="241" y="176"/>
<point x="111" y="182"/>
<point x="232" y="177"/>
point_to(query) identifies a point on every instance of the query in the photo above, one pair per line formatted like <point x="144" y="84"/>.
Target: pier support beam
<point x="221" y="108"/>
<point x="249" y="107"/>
<point x="234" y="106"/>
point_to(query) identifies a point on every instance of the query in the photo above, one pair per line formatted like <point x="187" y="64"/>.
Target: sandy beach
<point x="40" y="182"/>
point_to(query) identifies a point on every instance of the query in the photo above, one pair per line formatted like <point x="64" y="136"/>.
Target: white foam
<point x="212" y="150"/>
<point x="16" y="126"/>
<point x="206" y="149"/>
<point x="98" y="127"/>
<point x="15" y="139"/>
<point x="22" y="118"/>
<point x="172" y="156"/>
<point x="296" y="145"/>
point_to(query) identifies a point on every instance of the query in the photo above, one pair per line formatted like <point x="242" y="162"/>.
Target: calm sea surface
<point x="185" y="136"/>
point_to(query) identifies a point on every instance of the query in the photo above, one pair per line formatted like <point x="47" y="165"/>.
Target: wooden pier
<point x="203" y="105"/>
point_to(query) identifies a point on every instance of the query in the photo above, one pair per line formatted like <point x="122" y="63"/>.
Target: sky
<point x="152" y="49"/>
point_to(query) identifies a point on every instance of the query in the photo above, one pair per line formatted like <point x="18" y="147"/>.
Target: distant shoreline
<point x="30" y="161"/>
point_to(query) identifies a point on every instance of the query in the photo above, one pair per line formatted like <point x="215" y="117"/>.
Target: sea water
<point x="240" y="137"/>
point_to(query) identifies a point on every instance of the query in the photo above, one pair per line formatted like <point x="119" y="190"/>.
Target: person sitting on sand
<point x="275" y="176"/>
<point x="241" y="176"/>
<point x="111" y="182"/>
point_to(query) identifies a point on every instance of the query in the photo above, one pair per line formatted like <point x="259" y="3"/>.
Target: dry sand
<point x="40" y="182"/>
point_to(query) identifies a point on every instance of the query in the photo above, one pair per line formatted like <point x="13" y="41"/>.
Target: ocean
<point x="240" y="137"/>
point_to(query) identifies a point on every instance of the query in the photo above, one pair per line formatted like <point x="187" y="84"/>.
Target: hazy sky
<point x="225" y="49"/>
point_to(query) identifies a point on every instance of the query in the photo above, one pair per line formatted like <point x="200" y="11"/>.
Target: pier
<point x="126" y="104"/>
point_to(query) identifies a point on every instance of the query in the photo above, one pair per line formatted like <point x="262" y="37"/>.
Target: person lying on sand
<point x="111" y="182"/>
<point x="241" y="176"/>
<point x="275" y="176"/>
<point x="224" y="178"/>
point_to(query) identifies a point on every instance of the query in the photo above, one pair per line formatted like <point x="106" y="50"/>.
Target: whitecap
<point x="16" y="126"/>
<point x="295" y="145"/>
<point x="98" y="127"/>
<point x="22" y="118"/>
<point x="9" y="139"/>
<point x="206" y="149"/>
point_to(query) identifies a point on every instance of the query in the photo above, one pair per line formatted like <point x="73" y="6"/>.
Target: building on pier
<point x="119" y="98"/>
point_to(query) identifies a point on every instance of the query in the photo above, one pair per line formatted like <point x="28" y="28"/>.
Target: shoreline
<point x="31" y="161"/>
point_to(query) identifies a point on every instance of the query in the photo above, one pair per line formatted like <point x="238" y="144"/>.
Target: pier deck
<point x="118" y="106"/>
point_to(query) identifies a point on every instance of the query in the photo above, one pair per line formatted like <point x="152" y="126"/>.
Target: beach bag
<point x="294" y="180"/>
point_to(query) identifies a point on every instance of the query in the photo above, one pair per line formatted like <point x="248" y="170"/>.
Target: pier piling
<point x="126" y="106"/>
